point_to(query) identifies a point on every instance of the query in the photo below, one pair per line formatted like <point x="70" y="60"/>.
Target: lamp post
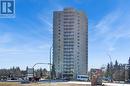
<point x="111" y="68"/>
<point x="40" y="63"/>
<point x="110" y="58"/>
<point x="46" y="63"/>
<point x="50" y="61"/>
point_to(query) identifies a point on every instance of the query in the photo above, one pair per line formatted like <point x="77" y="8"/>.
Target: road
<point x="87" y="83"/>
<point x="69" y="83"/>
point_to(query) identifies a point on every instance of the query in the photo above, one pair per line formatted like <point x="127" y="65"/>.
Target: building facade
<point x="70" y="43"/>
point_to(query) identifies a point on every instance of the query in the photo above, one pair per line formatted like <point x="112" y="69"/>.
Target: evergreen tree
<point x="116" y="65"/>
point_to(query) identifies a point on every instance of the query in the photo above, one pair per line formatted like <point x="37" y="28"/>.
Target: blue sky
<point x="27" y="38"/>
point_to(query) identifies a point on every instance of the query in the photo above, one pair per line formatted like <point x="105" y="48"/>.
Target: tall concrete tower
<point x="70" y="43"/>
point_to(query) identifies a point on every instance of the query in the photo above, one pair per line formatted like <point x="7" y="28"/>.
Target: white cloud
<point x="105" y="24"/>
<point x="5" y="38"/>
<point x="46" y="20"/>
<point x="46" y="16"/>
<point x="111" y="28"/>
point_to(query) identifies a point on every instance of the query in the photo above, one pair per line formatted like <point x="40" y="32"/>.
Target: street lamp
<point x="111" y="65"/>
<point x="46" y="63"/>
<point x="50" y="61"/>
<point x="110" y="58"/>
<point x="38" y="64"/>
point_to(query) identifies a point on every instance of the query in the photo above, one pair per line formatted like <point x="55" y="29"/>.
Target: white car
<point x="82" y="77"/>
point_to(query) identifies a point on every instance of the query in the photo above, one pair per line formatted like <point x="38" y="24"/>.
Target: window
<point x="68" y="41"/>
<point x="69" y="28"/>
<point x="68" y="18"/>
<point x="68" y="25"/>
<point x="68" y="55"/>
<point x="70" y="15"/>
<point x="66" y="35"/>
<point x="68" y="38"/>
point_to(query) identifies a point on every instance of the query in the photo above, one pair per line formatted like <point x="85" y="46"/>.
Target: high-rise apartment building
<point x="70" y="43"/>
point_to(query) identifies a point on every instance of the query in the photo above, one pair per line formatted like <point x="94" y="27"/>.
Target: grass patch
<point x="9" y="84"/>
<point x="53" y="84"/>
<point x="37" y="84"/>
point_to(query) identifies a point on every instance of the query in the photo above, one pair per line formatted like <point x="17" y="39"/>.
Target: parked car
<point x="128" y="81"/>
<point x="25" y="82"/>
<point x="82" y="77"/>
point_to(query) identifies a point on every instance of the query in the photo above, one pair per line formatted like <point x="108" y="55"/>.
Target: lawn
<point x="9" y="84"/>
<point x="36" y="84"/>
<point x="54" y="84"/>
